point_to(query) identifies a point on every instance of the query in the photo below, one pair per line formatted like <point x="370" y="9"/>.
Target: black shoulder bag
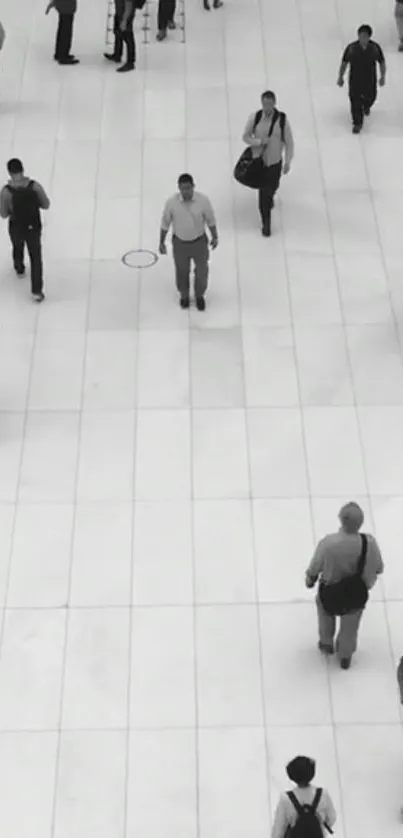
<point x="350" y="593"/>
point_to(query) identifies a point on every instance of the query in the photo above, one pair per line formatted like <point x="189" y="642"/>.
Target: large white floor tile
<point x="102" y="554"/>
<point x="162" y="553"/>
<point x="270" y="368"/>
<point x="277" y="457"/>
<point x="110" y="371"/>
<point x="49" y="460"/>
<point x="334" y="452"/>
<point x="162" y="455"/>
<point x="381" y="429"/>
<point x="284" y="546"/>
<point x="224" y="552"/>
<point x="163" y="369"/>
<point x="28" y="771"/>
<point x="105" y="471"/>
<point x="217" y="372"/>
<point x="220" y="460"/>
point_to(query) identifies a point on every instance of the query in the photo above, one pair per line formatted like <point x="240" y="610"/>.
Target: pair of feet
<point x="328" y="649"/>
<point x="162" y="33"/>
<point x="216" y="4"/>
<point x="69" y="59"/>
<point x="200" y="303"/>
<point x="357" y="128"/>
<point x="117" y="59"/>
<point x="20" y="271"/>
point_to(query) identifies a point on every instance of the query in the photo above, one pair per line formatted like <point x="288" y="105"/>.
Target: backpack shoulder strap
<point x="295" y="802"/>
<point x="316" y="800"/>
<point x="363" y="554"/>
<point x="258" y="116"/>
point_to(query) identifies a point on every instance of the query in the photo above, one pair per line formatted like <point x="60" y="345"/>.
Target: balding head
<point x="351" y="517"/>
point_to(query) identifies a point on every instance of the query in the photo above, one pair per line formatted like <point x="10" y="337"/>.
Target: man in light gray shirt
<point x="335" y="558"/>
<point x="269" y="134"/>
<point x="189" y="213"/>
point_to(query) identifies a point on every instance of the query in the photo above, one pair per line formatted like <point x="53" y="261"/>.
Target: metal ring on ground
<point x="139" y="259"/>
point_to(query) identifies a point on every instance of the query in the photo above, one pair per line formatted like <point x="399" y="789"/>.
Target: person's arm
<point x="210" y="220"/>
<point x="382" y="66"/>
<point x="343" y="66"/>
<point x="280" y="823"/>
<point x="51" y="5"/>
<point x="316" y="566"/>
<point x="330" y="816"/>
<point x="400" y="678"/>
<point x="43" y="199"/>
<point x="374" y="565"/>
<point x="288" y="146"/>
<point x="249" y="137"/>
<point x="5" y="202"/>
<point x="166" y="222"/>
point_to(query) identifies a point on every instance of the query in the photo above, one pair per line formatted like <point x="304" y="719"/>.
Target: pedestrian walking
<point x="21" y="201"/>
<point x="166" y="18"/>
<point x="188" y="213"/>
<point x="347" y="564"/>
<point x="362" y="56"/>
<point x="64" y="35"/>
<point x="306" y="811"/>
<point x="399" y="22"/>
<point x="268" y="133"/>
<point x="123" y="28"/>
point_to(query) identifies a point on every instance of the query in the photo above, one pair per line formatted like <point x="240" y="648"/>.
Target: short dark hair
<point x="301" y="770"/>
<point x="185" y="178"/>
<point x="15" y="166"/>
<point x="365" y="28"/>
<point x="268" y="94"/>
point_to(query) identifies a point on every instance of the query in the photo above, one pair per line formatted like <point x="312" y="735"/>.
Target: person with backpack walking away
<point x="269" y="135"/>
<point x="307" y="811"/>
<point x="64" y="34"/>
<point x="347" y="564"/>
<point x="21" y="201"/>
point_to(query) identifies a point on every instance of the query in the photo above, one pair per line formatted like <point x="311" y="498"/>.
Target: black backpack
<point x="351" y="593"/>
<point x="25" y="210"/>
<point x="307" y="824"/>
<point x="277" y="115"/>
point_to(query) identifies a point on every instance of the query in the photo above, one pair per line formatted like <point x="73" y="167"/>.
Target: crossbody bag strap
<point x="363" y="554"/>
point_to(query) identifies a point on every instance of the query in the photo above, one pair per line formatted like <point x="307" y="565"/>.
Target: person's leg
<point x="182" y="257"/>
<point x="128" y="38"/>
<point x="18" y="245"/>
<point x="357" y="111"/>
<point x="346" y="643"/>
<point x="399" y="23"/>
<point x="34" y="245"/>
<point x="326" y="627"/>
<point x="200" y="255"/>
<point x="118" y="44"/>
<point x="171" y="14"/>
<point x="64" y="37"/>
<point x="369" y="98"/>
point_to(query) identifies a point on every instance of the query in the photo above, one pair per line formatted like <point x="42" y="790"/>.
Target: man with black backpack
<point x="269" y="135"/>
<point x="21" y="201"/>
<point x="305" y="812"/>
<point x="347" y="564"/>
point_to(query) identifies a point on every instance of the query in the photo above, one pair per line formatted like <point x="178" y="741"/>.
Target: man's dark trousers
<point x="361" y="100"/>
<point x="32" y="239"/>
<point x="166" y="13"/>
<point x="64" y="37"/>
<point x="268" y="189"/>
<point x="125" y="37"/>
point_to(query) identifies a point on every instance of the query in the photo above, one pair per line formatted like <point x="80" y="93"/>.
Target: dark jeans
<point x="64" y="37"/>
<point x="185" y="252"/>
<point x="126" y="37"/>
<point x="360" y="100"/>
<point x="32" y="239"/>
<point x="166" y="12"/>
<point x="267" y="191"/>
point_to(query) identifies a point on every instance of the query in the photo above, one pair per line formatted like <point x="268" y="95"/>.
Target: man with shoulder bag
<point x="269" y="137"/>
<point x="347" y="565"/>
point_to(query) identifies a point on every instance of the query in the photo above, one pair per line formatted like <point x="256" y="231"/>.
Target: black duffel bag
<point x="249" y="170"/>
<point x="348" y="595"/>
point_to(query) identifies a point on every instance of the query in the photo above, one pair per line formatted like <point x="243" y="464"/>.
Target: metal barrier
<point x="147" y="12"/>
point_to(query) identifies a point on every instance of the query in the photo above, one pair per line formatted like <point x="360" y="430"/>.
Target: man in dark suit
<point x="64" y="35"/>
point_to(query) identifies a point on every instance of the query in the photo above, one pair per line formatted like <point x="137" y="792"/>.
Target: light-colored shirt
<point x="188" y="219"/>
<point x="6" y="198"/>
<point x="337" y="556"/>
<point x="286" y="814"/>
<point x="276" y="148"/>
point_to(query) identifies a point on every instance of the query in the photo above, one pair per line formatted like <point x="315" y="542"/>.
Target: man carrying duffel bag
<point x="269" y="138"/>
<point x="347" y="565"/>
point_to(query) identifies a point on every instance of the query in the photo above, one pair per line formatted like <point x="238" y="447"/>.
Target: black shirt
<point x="363" y="61"/>
<point x="120" y="8"/>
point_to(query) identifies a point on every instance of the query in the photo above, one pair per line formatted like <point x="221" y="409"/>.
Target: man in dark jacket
<point x="64" y="35"/>
<point x="21" y="201"/>
<point x="123" y="28"/>
<point x="362" y="56"/>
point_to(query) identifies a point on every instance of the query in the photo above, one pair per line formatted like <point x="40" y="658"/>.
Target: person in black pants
<point x="64" y="35"/>
<point x="166" y="14"/>
<point x="362" y="56"/>
<point x="21" y="201"/>
<point x="123" y="24"/>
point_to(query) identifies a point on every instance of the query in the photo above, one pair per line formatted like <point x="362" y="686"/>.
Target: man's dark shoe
<point x="184" y="302"/>
<point x="367" y="110"/>
<point x="201" y="303"/>
<point x="217" y="4"/>
<point x="20" y="270"/>
<point x="357" y="129"/>
<point x="206" y="5"/>
<point x="115" y="58"/>
<point x="266" y="229"/>
<point x="39" y="298"/>
<point x="126" y="68"/>
<point x="69" y="60"/>
<point x="345" y="663"/>
<point x="171" y="24"/>
<point x="326" y="648"/>
<point x="161" y="35"/>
